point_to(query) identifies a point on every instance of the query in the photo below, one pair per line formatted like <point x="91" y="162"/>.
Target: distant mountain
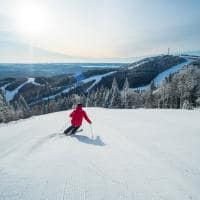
<point x="41" y="88"/>
<point x="49" y="69"/>
<point x="11" y="51"/>
<point x="142" y="72"/>
<point x="18" y="52"/>
<point x="195" y="53"/>
<point x="107" y="87"/>
<point x="139" y="74"/>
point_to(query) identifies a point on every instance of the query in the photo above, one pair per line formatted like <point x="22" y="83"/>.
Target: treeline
<point x="179" y="90"/>
<point x="142" y="72"/>
<point x="10" y="112"/>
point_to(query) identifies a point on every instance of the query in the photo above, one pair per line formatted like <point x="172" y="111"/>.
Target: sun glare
<point x="31" y="19"/>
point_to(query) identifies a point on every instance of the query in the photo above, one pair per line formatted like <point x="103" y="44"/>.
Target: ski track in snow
<point x="167" y="72"/>
<point x="134" y="157"/>
<point x="160" y="77"/>
<point x="11" y="94"/>
<point x="138" y="64"/>
<point x="96" y="80"/>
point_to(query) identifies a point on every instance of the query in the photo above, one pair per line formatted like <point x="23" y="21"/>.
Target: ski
<point x="80" y="130"/>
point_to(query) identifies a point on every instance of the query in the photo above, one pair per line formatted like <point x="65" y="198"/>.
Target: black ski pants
<point x="71" y="129"/>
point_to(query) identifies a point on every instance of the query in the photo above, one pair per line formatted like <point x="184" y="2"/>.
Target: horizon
<point x="34" y="31"/>
<point x="97" y="61"/>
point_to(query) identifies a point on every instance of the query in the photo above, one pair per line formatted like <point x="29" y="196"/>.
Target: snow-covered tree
<point x="198" y="102"/>
<point x="187" y="105"/>
<point x="124" y="92"/>
<point x="115" y="95"/>
<point x="106" y="98"/>
<point x="99" y="101"/>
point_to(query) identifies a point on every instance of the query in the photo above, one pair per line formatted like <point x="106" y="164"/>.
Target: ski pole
<point x="91" y="130"/>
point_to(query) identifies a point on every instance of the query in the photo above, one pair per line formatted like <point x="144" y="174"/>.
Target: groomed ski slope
<point x="135" y="154"/>
<point x="161" y="77"/>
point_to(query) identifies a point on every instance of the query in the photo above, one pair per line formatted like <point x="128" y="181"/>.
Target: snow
<point x="139" y="64"/>
<point x="169" y="71"/>
<point x="96" y="80"/>
<point x="32" y="80"/>
<point x="11" y="94"/>
<point x="135" y="154"/>
<point x="158" y="79"/>
<point x="4" y="86"/>
<point x="146" y="87"/>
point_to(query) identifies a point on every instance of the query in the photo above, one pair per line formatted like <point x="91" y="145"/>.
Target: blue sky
<point x="97" y="29"/>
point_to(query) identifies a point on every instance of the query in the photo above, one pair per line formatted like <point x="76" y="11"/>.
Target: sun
<point x="31" y="19"/>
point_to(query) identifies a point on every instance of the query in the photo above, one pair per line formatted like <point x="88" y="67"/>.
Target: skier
<point x="77" y="116"/>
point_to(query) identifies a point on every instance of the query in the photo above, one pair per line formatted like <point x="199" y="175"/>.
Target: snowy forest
<point x="180" y="90"/>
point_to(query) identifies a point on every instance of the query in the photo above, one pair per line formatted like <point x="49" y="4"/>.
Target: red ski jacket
<point x="77" y="117"/>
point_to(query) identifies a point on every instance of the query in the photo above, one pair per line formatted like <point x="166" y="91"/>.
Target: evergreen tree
<point x="115" y="95"/>
<point x="4" y="111"/>
<point x="125" y="90"/>
<point x="198" y="102"/>
<point x="100" y="97"/>
<point x="187" y="105"/>
<point x="106" y="98"/>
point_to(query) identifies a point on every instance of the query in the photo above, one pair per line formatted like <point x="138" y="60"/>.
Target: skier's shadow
<point x="84" y="139"/>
